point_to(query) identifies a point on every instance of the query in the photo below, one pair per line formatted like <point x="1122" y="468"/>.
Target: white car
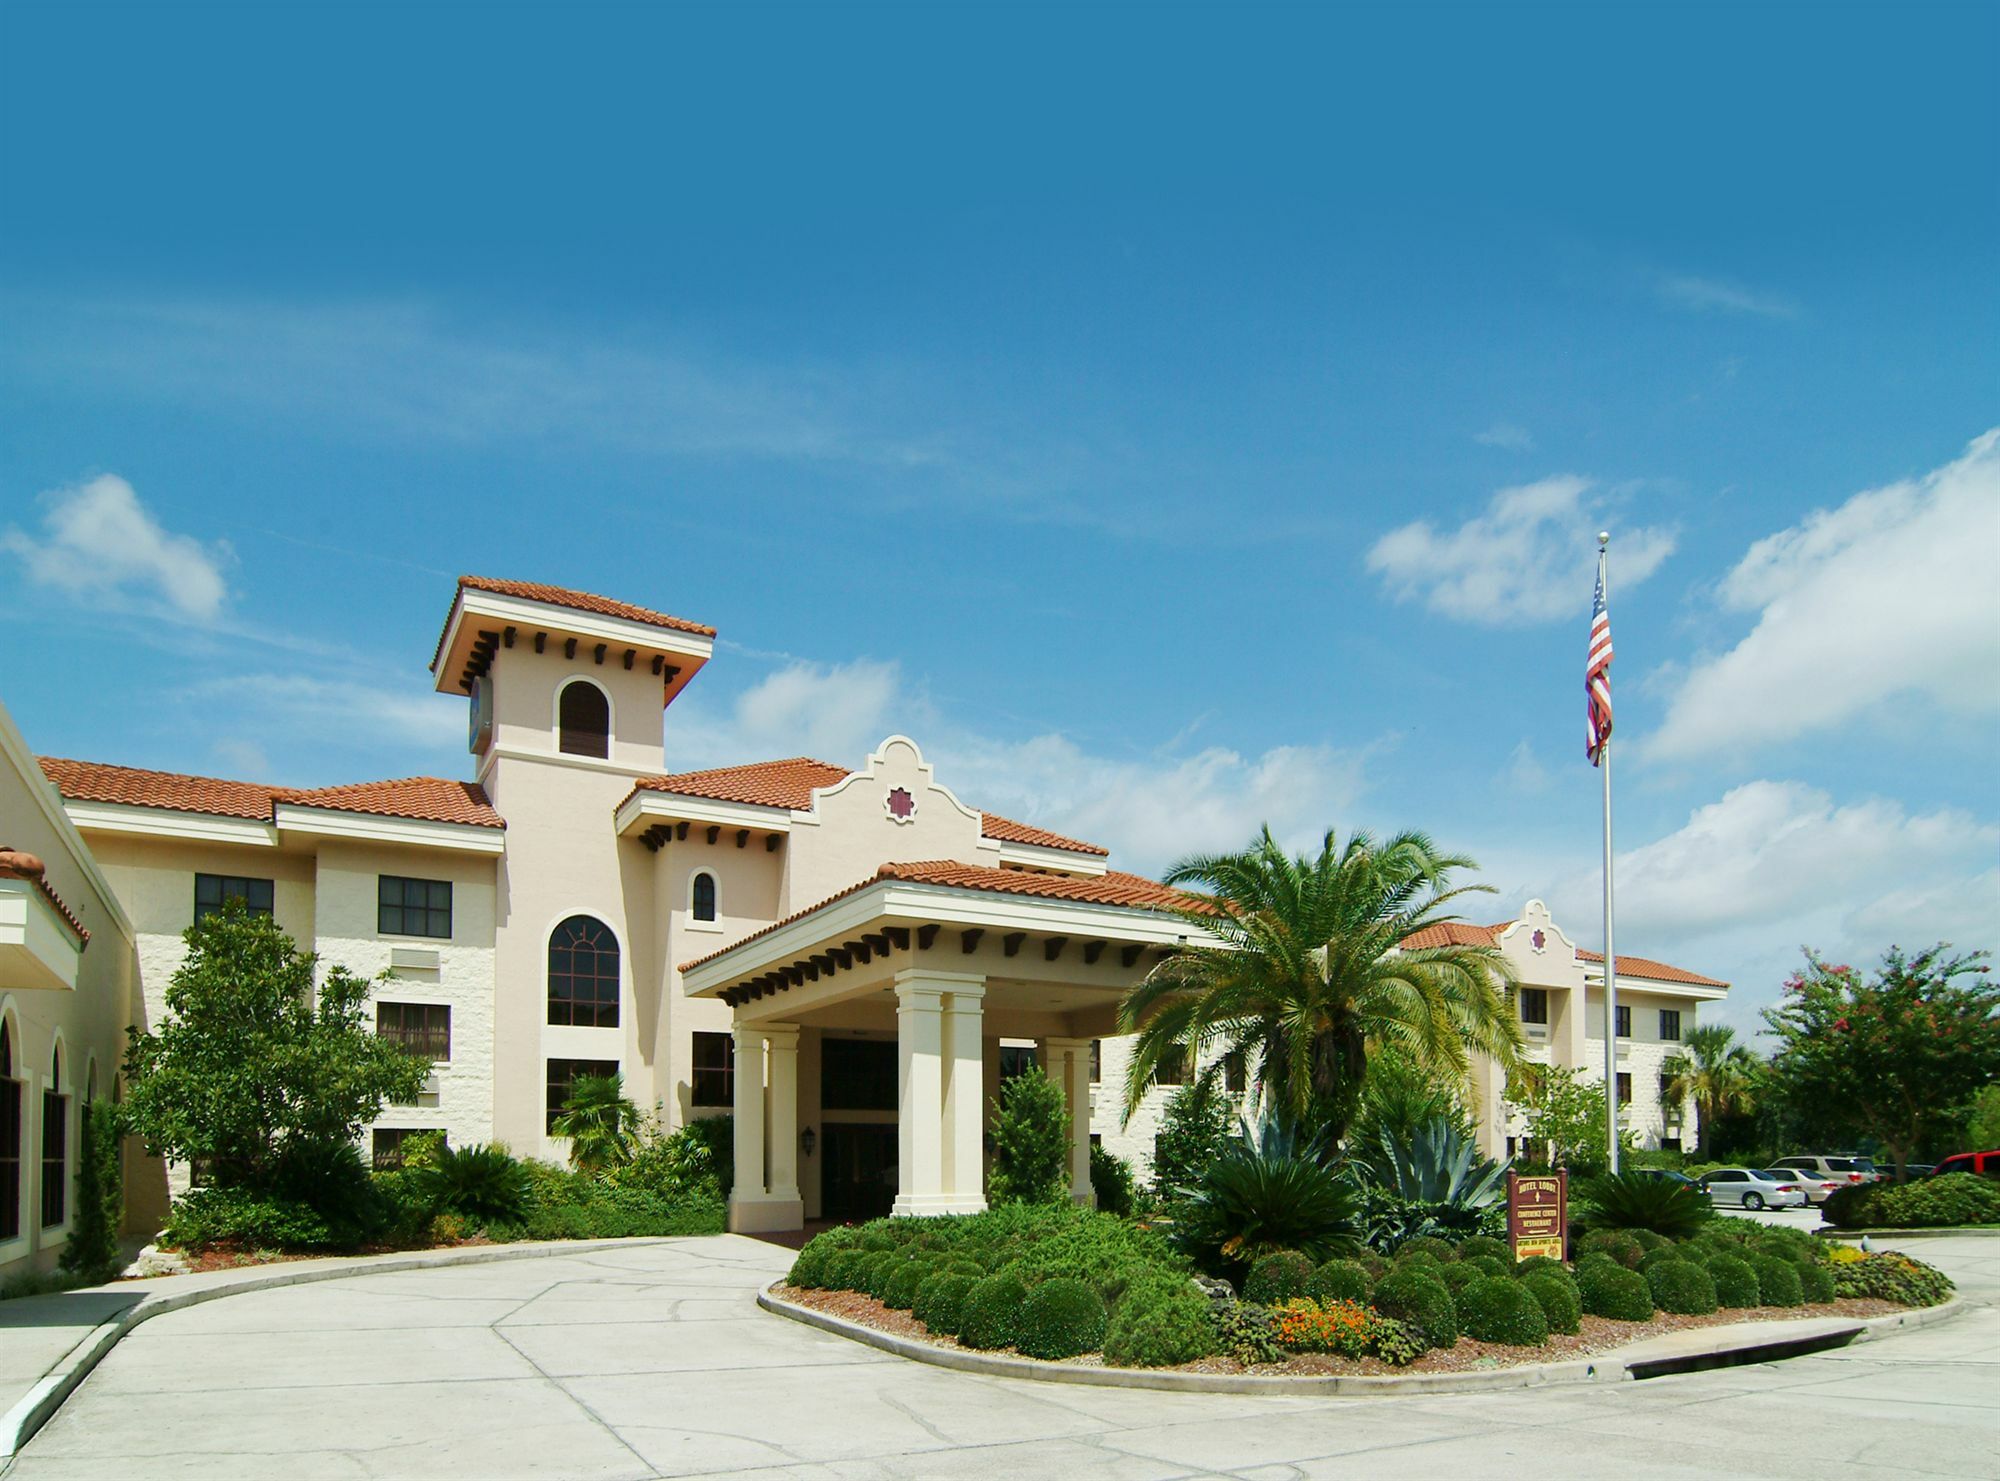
<point x="1848" y="1169"/>
<point x="1816" y="1187"/>
<point x="1750" y="1188"/>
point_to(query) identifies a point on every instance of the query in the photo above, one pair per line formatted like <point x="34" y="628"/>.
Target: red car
<point x="1986" y="1164"/>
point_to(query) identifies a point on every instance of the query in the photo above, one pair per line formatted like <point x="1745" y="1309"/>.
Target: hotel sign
<point x="1537" y="1214"/>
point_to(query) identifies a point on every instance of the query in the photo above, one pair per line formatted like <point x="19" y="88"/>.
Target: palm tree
<point x="599" y="1121"/>
<point x="1308" y="974"/>
<point x="1712" y="1070"/>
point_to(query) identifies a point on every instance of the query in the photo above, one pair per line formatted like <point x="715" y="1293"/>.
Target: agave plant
<point x="1632" y="1200"/>
<point x="1275" y="1186"/>
<point x="1433" y="1181"/>
<point x="480" y="1182"/>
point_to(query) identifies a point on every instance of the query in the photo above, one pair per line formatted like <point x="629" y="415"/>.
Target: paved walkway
<point x="641" y="1362"/>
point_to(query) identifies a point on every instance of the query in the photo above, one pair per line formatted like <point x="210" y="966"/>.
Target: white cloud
<point x="1776" y="865"/>
<point x="1148" y="809"/>
<point x="1890" y="595"/>
<point x="288" y="709"/>
<point x="98" y="541"/>
<point x="1527" y="558"/>
<point x="1524" y="771"/>
<point x="1506" y="435"/>
<point x="1712" y="295"/>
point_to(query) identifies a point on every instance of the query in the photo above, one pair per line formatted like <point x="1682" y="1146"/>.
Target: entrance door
<point x="858" y="1172"/>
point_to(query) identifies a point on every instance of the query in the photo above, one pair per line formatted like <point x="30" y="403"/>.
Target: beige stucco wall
<point x="87" y="1022"/>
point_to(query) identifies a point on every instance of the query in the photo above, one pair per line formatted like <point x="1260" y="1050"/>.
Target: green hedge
<point x="991" y="1311"/>
<point x="1412" y="1295"/>
<point x="1561" y="1307"/>
<point x="1956" y="1199"/>
<point x="1159" y="1323"/>
<point x="1340" y="1280"/>
<point x="1777" y="1281"/>
<point x="1277" y="1277"/>
<point x="1735" y="1282"/>
<point x="1062" y="1318"/>
<point x="1681" y="1286"/>
<point x="940" y="1299"/>
<point x="1496" y="1308"/>
<point x="1609" y="1290"/>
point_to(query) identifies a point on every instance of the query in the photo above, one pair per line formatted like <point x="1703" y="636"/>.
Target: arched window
<point x="55" y="1147"/>
<point x="583" y="720"/>
<point x="702" y="896"/>
<point x="583" y="974"/>
<point x="10" y="1138"/>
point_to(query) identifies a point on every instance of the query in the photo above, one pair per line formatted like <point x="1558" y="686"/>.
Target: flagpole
<point x="1610" y="950"/>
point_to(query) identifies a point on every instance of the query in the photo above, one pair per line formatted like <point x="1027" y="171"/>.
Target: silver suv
<point x="1834" y="1169"/>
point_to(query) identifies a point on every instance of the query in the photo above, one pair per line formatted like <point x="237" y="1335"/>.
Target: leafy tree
<point x="255" y="1073"/>
<point x="1030" y="1129"/>
<point x="1712" y="1070"/>
<point x="1194" y="1124"/>
<point x="1399" y="1100"/>
<point x="1565" y="1115"/>
<point x="1982" y="1121"/>
<point x="1888" y="1056"/>
<point x="601" y="1123"/>
<point x="1309" y="973"/>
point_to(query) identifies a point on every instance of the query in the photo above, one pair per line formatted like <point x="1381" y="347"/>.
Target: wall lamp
<point x="807" y="1141"/>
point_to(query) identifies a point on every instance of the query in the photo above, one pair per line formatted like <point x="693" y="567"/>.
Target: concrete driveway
<point x="639" y="1362"/>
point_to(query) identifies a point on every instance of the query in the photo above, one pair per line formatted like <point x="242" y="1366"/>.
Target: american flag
<point x="1597" y="673"/>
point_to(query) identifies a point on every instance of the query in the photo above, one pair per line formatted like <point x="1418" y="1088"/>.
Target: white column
<point x="749" y="1115"/>
<point x="1069" y="1067"/>
<point x="920" y="1095"/>
<point x="964" y="1186"/>
<point x="783" y="1165"/>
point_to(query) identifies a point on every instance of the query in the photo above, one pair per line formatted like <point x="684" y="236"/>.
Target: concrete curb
<point x="1705" y="1347"/>
<point x="1963" y="1231"/>
<point x="33" y="1410"/>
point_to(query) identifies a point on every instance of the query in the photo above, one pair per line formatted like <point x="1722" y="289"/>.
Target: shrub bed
<point x="1496" y="1308"/>
<point x="1061" y="1318"/>
<point x="1682" y="1287"/>
<point x="1957" y="1198"/>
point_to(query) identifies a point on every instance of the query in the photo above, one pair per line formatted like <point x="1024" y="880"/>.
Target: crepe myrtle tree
<point x="1894" y="1055"/>
<point x="256" y="1065"/>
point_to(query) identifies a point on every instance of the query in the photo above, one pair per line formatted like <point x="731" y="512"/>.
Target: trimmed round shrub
<point x="1457" y="1276"/>
<point x="1777" y="1281"/>
<point x="957" y="1264"/>
<point x="1491" y="1265"/>
<point x="1376" y="1265"/>
<point x="1619" y="1244"/>
<point x="987" y="1316"/>
<point x="884" y="1269"/>
<point x="1660" y="1255"/>
<point x="1277" y="1277"/>
<point x="1815" y="1284"/>
<point x="878" y="1241"/>
<point x="847" y="1270"/>
<point x="1495" y="1308"/>
<point x="1424" y="1244"/>
<point x="905" y="1283"/>
<point x="1536" y="1263"/>
<point x="1735" y="1281"/>
<point x="1417" y="1297"/>
<point x="1158" y="1324"/>
<point x="1062" y="1318"/>
<point x="1485" y="1245"/>
<point x="809" y="1270"/>
<point x="939" y="1300"/>
<point x="1649" y="1240"/>
<point x="1682" y="1287"/>
<point x="1608" y="1289"/>
<point x="1561" y="1307"/>
<point x="1420" y="1260"/>
<point x="1340" y="1280"/>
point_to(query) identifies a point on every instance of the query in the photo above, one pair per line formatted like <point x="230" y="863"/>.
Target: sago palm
<point x="1712" y="1070"/>
<point x="1307" y="973"/>
<point x="601" y="1124"/>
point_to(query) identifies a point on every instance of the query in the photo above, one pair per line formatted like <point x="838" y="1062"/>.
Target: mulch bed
<point x="238" y="1257"/>
<point x="1599" y="1334"/>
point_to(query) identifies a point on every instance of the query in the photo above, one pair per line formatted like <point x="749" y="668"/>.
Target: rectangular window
<point x="1173" y="1067"/>
<point x="857" y="1075"/>
<point x="1097" y="1061"/>
<point x="413" y="907"/>
<point x="1624" y="1021"/>
<point x="1015" y="1059"/>
<point x="1535" y="1005"/>
<point x="714" y="1069"/>
<point x="1670" y="1025"/>
<point x="564" y="1073"/>
<point x="388" y="1141"/>
<point x="1624" y="1088"/>
<point x="10" y="1159"/>
<point x="212" y="891"/>
<point x="1232" y="1073"/>
<point x="421" y="1029"/>
<point x="55" y="1158"/>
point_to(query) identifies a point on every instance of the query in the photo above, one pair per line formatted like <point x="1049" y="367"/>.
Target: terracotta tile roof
<point x="1130" y="891"/>
<point x="992" y="825"/>
<point x="424" y="799"/>
<point x="93" y="781"/>
<point x="17" y="864"/>
<point x="790" y="783"/>
<point x="1453" y="933"/>
<point x="576" y="601"/>
<point x="1639" y="966"/>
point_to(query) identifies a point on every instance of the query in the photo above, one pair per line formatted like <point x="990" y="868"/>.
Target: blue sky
<point x="1176" y="419"/>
